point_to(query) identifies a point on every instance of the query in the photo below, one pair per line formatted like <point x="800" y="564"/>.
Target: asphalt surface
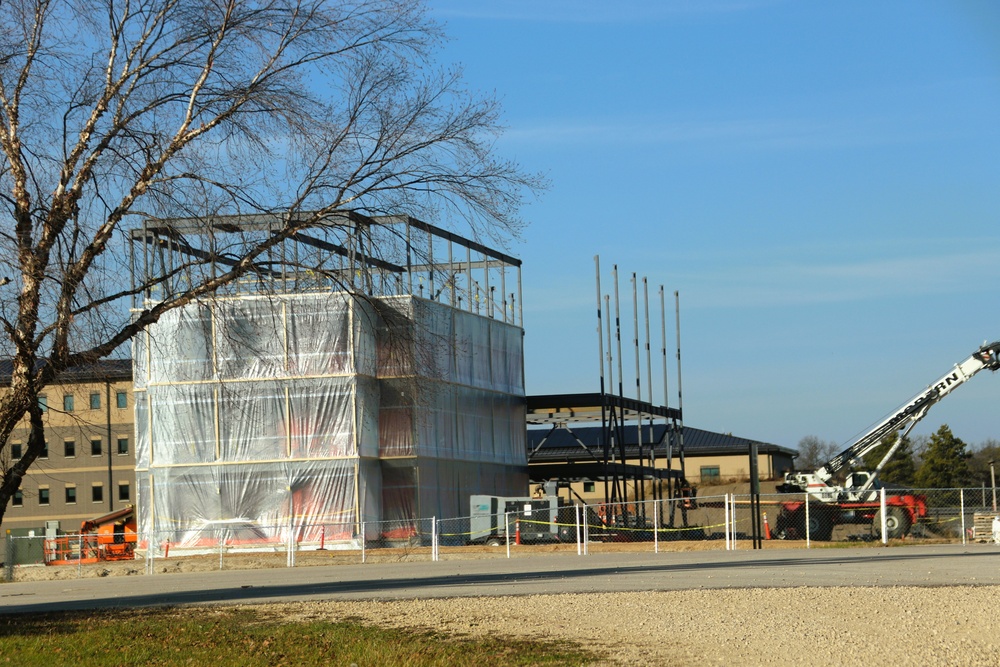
<point x="943" y="565"/>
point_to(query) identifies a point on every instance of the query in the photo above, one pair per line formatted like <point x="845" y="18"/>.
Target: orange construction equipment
<point x="108" y="537"/>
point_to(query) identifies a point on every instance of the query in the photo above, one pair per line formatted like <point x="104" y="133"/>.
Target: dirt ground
<point x="254" y="561"/>
<point x="820" y="627"/>
<point x="792" y="626"/>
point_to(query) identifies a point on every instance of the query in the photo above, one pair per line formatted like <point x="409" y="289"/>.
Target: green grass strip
<point x="245" y="637"/>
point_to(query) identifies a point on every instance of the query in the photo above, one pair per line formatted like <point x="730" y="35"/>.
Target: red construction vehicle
<point x="857" y="500"/>
<point x="106" y="538"/>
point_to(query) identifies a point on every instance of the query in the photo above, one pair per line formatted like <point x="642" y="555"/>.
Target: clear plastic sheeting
<point x="261" y="418"/>
<point x="252" y="505"/>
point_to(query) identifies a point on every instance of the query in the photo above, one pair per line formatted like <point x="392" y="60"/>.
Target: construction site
<point x="348" y="386"/>
<point x="369" y="374"/>
<point x="341" y="399"/>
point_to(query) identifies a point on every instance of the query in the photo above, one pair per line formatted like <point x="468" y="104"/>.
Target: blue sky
<point x="819" y="181"/>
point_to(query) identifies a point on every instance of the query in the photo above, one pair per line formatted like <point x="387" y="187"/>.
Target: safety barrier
<point x="899" y="516"/>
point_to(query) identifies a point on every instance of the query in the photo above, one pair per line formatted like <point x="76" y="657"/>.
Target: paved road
<point x="944" y="565"/>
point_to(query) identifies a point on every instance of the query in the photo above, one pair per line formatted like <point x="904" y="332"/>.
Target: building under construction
<point x="368" y="371"/>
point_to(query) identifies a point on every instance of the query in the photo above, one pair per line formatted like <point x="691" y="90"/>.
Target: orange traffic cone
<point x="767" y="528"/>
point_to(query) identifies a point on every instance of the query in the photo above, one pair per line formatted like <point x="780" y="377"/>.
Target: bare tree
<point x="113" y="113"/>
<point x="814" y="452"/>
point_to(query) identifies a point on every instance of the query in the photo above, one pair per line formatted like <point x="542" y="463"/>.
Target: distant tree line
<point x="939" y="461"/>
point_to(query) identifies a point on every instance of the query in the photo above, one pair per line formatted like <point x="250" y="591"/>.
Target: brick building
<point x="89" y="467"/>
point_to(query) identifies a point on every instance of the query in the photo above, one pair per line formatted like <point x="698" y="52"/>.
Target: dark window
<point x="710" y="474"/>
<point x="70" y="495"/>
<point x="69" y="449"/>
<point x="43" y="403"/>
<point x="68" y="402"/>
<point x="123" y="445"/>
<point x="97" y="493"/>
<point x="123" y="492"/>
<point x="15" y="450"/>
<point x="96" y="446"/>
<point x="45" y="451"/>
<point x="43" y="496"/>
<point x="95" y="401"/>
<point x="122" y="399"/>
<point x="588" y="487"/>
<point x="18" y="498"/>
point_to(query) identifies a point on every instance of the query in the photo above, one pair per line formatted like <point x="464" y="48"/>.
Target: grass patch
<point x="241" y="637"/>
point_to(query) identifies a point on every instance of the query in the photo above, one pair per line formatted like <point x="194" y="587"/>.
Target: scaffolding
<point x="351" y="379"/>
<point x="613" y="461"/>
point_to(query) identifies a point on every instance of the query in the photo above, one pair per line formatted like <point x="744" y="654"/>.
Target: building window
<point x="122" y="399"/>
<point x="15" y="450"/>
<point x="71" y="495"/>
<point x="95" y="401"/>
<point x="710" y="475"/>
<point x="588" y="487"/>
<point x="68" y="402"/>
<point x="43" y="496"/>
<point x="123" y="492"/>
<point x="96" y="445"/>
<point x="97" y="493"/>
<point x="43" y="403"/>
<point x="123" y="445"/>
<point x="69" y="449"/>
<point x="45" y="451"/>
<point x="18" y="500"/>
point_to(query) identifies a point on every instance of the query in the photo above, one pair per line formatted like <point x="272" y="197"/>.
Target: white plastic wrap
<point x="263" y="418"/>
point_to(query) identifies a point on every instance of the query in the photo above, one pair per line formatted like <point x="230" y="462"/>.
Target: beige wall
<point x="731" y="468"/>
<point x="80" y="469"/>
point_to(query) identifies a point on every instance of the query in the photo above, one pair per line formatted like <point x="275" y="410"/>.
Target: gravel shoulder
<point x="791" y="626"/>
<point x="716" y="620"/>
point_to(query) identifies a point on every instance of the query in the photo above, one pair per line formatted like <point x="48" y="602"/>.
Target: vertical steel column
<point x="520" y="300"/>
<point x="670" y="435"/>
<point x="649" y="388"/>
<point x="503" y="289"/>
<point x="600" y="363"/>
<point x="430" y="265"/>
<point x="451" y="274"/>
<point x="618" y="414"/>
<point x="468" y="274"/>
<point x="639" y="493"/>
<point x="488" y="290"/>
<point x="606" y="404"/>
<point x="409" y="258"/>
<point x="680" y="393"/>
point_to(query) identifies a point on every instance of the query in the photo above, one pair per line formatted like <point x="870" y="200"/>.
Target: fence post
<point x="363" y="541"/>
<point x="725" y="520"/>
<point x="79" y="560"/>
<point x="732" y="518"/>
<point x="506" y="531"/>
<point x="656" y="528"/>
<point x="808" y="535"/>
<point x="885" y="537"/>
<point x="961" y="504"/>
<point x="434" y="539"/>
<point x="11" y="557"/>
<point x="586" y="531"/>
<point x="579" y="536"/>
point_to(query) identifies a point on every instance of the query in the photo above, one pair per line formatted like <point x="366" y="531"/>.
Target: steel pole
<point x="993" y="483"/>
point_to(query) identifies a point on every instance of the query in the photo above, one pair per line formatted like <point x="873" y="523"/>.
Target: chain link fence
<point x="900" y="516"/>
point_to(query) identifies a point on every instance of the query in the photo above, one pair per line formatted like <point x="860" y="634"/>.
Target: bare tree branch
<point x="114" y="112"/>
